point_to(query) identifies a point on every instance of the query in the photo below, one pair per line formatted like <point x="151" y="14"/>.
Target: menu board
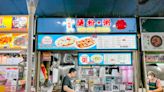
<point x="14" y="23"/>
<point x="86" y="25"/>
<point x="105" y="58"/>
<point x="87" y="41"/>
<point x="152" y="41"/>
<point x="13" y="40"/>
<point x="154" y="57"/>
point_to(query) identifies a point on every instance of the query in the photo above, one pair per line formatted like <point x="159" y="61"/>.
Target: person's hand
<point x="150" y="91"/>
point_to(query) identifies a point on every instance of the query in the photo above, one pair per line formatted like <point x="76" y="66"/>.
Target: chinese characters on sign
<point x="91" y="22"/>
<point x="93" y="25"/>
<point x="154" y="57"/>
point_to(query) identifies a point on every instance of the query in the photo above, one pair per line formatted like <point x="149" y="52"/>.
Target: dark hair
<point x="72" y="70"/>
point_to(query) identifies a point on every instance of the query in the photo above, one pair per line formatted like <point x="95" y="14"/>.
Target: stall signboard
<point x="13" y="40"/>
<point x="13" y="23"/>
<point x="152" y="41"/>
<point x="86" y="25"/>
<point x="152" y="24"/>
<point x="87" y="41"/>
<point x="105" y="58"/>
<point x="154" y="57"/>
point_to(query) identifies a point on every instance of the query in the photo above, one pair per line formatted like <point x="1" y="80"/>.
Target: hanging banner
<point x="87" y="41"/>
<point x="105" y="58"/>
<point x="13" y="40"/>
<point x="13" y="23"/>
<point x="86" y="25"/>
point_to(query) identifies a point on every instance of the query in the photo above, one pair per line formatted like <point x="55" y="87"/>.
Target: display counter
<point x="109" y="78"/>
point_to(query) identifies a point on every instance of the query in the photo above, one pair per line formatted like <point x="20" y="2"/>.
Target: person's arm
<point x="67" y="89"/>
<point x="159" y="87"/>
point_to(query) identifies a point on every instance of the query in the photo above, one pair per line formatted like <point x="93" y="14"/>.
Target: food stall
<point x="13" y="45"/>
<point x="103" y="50"/>
<point x="152" y="47"/>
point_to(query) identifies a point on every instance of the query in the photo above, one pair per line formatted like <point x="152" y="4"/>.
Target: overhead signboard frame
<point x="86" y="25"/>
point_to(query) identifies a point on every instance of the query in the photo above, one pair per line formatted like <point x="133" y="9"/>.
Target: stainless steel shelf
<point x="12" y="65"/>
<point x="4" y="51"/>
<point x="9" y="65"/>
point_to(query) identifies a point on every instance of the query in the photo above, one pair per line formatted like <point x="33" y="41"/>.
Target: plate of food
<point x="47" y="40"/>
<point x="97" y="58"/>
<point x="66" y="41"/>
<point x="5" y="39"/>
<point x="85" y="43"/>
<point x="84" y="59"/>
<point x="156" y="41"/>
<point x="20" y="40"/>
<point x="19" y="22"/>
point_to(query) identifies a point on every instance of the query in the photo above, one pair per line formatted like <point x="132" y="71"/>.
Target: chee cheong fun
<point x="87" y="42"/>
<point x="66" y="41"/>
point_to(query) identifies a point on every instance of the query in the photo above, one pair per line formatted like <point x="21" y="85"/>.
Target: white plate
<point x="99" y="58"/>
<point x="64" y="37"/>
<point x="20" y="36"/>
<point x="84" y="59"/>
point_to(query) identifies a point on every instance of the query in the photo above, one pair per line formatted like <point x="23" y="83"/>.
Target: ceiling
<point x="100" y="8"/>
<point x="85" y="8"/>
<point x="13" y="7"/>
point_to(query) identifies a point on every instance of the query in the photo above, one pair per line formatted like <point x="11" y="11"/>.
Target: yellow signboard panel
<point x="5" y="23"/>
<point x="13" y="40"/>
<point x="14" y="23"/>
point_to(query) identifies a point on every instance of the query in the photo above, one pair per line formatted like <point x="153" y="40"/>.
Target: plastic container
<point x="2" y="88"/>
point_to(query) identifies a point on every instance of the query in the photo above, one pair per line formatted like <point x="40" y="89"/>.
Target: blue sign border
<point x="86" y="35"/>
<point x="80" y="53"/>
<point x="55" y="25"/>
